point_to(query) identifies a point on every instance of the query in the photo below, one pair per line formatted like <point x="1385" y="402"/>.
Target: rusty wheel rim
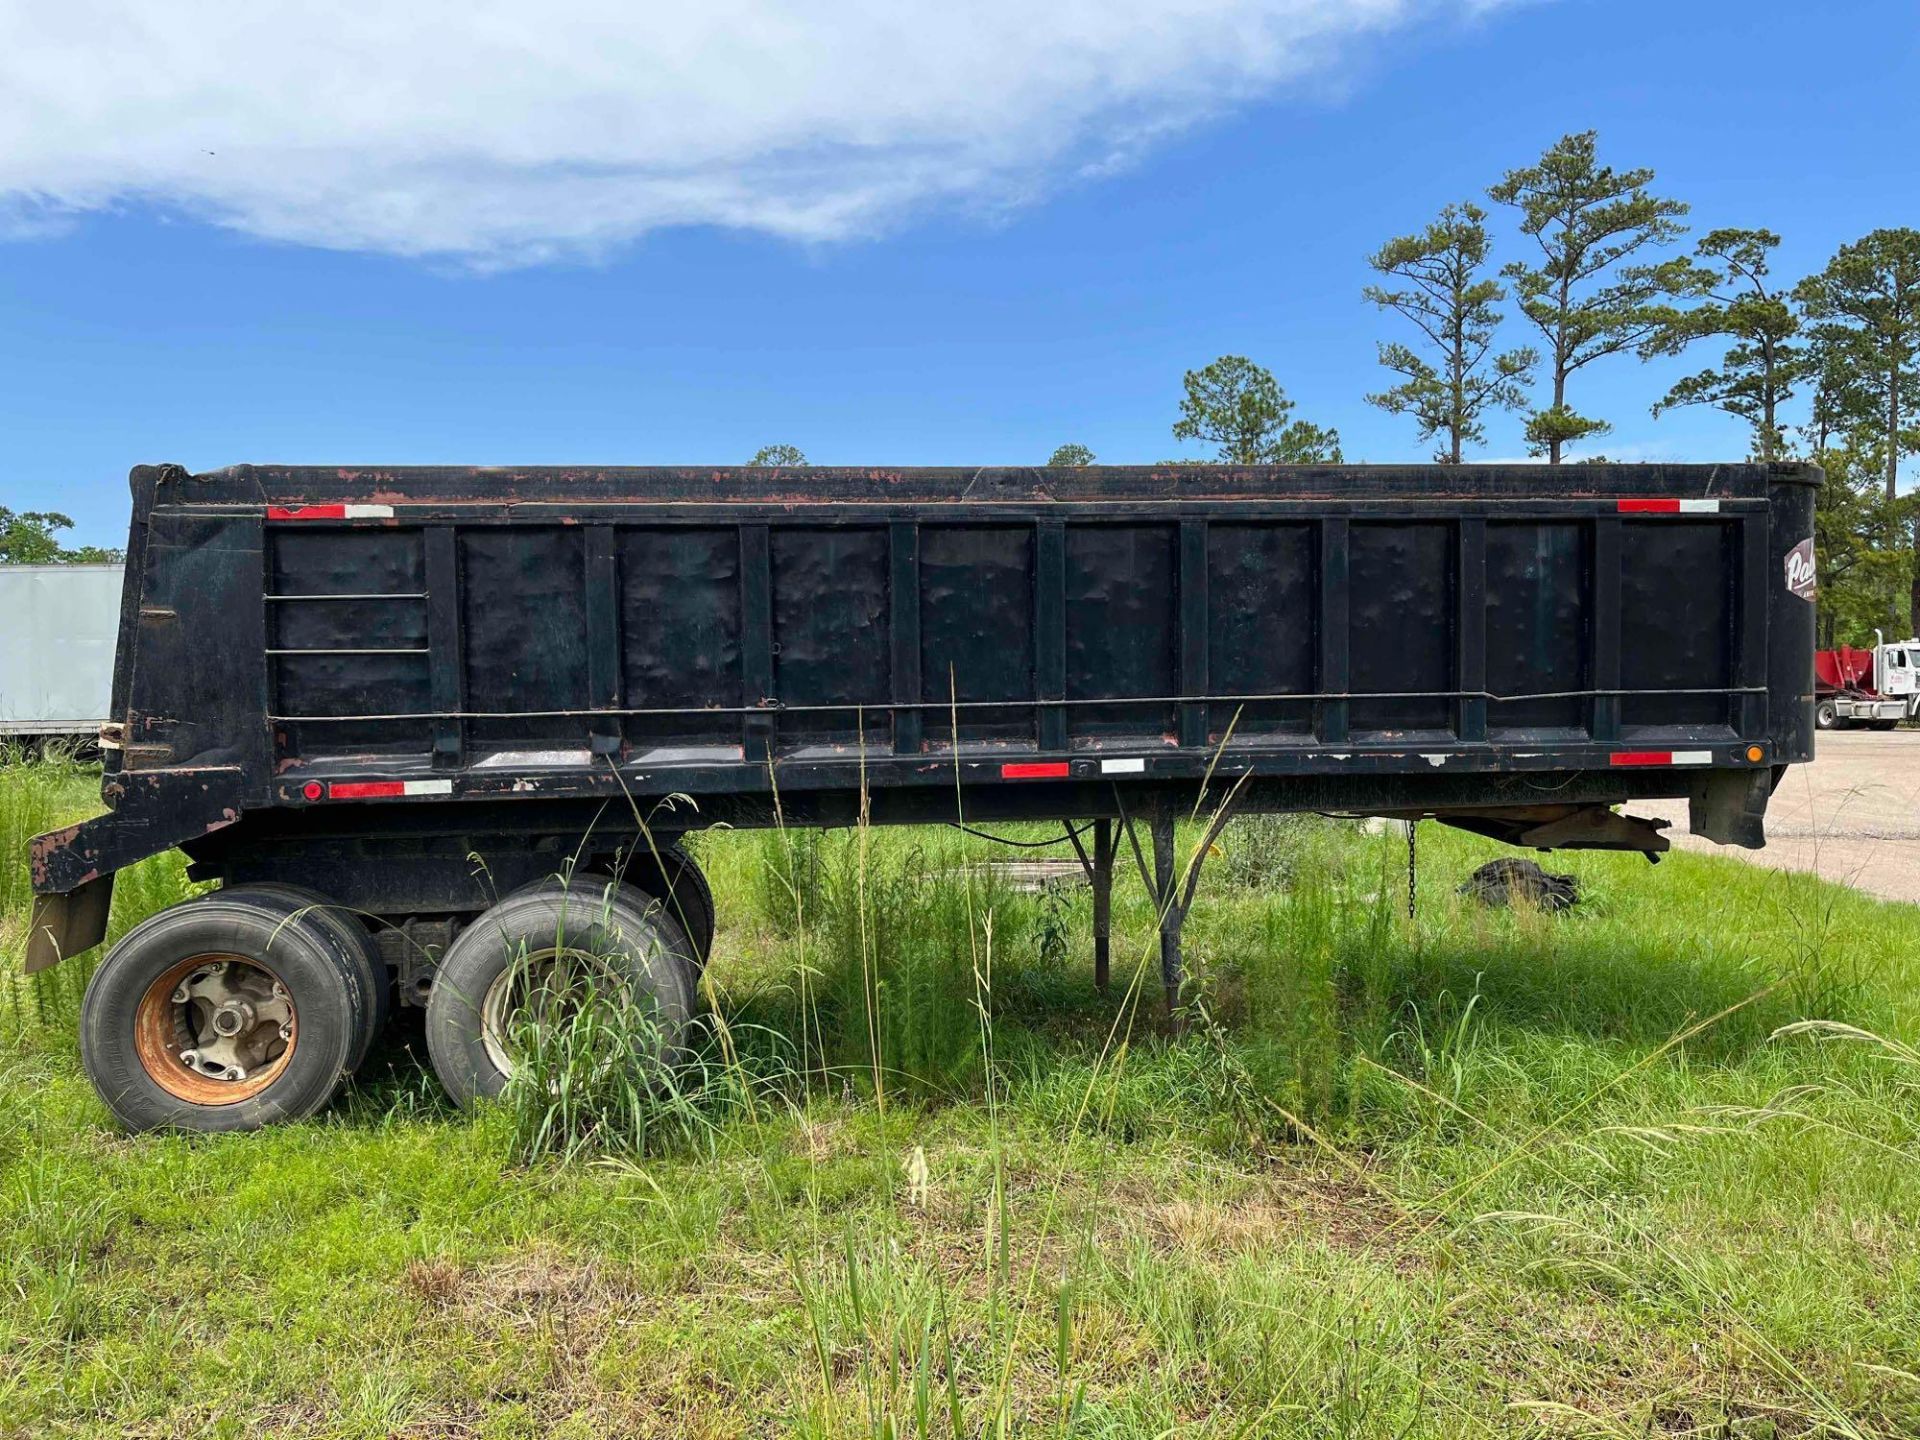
<point x="215" y="1029"/>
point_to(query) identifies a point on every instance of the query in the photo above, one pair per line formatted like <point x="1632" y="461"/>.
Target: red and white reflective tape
<point x="329" y="512"/>
<point x="1669" y="507"/>
<point x="374" y="789"/>
<point x="1061" y="769"/>
<point x="1661" y="757"/>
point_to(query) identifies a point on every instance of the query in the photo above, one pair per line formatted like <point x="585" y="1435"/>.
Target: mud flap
<point x="66" y="925"/>
<point x="1729" y="806"/>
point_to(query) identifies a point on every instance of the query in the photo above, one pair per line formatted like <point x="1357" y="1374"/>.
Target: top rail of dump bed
<point x="264" y="484"/>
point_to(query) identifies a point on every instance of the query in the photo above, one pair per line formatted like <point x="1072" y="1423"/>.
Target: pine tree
<point x="1451" y="304"/>
<point x="1757" y="375"/>
<point x="1237" y="406"/>
<point x="787" y="457"/>
<point x="1864" y="581"/>
<point x="1588" y="220"/>
<point x="1866" y="309"/>
<point x="1866" y="305"/>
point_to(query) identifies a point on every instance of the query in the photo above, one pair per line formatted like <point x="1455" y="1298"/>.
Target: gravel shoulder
<point x="1851" y="816"/>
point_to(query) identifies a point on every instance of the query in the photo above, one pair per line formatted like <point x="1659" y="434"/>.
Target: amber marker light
<point x="1754" y="753"/>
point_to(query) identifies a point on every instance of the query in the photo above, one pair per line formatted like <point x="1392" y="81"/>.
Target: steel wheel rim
<point x="215" y="1029"/>
<point x="525" y="979"/>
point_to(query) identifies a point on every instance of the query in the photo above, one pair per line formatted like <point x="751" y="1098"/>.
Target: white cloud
<point x="508" y="133"/>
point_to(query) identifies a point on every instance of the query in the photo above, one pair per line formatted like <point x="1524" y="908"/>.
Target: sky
<point x="890" y="232"/>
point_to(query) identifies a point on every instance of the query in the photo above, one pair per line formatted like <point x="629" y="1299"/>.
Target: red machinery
<point x="1878" y="687"/>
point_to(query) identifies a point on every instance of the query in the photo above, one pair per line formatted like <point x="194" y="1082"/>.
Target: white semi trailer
<point x="58" y="625"/>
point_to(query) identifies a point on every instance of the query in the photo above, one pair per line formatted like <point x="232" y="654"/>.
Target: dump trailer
<point x="412" y="719"/>
<point x="1877" y="687"/>
<point x="57" y="629"/>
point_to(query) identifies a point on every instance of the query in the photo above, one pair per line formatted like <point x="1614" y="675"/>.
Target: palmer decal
<point x="1800" y="575"/>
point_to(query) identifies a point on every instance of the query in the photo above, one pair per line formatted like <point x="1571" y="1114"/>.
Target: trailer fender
<point x="72" y="869"/>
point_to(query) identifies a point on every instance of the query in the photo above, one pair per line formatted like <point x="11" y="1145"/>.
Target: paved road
<point x="1852" y="816"/>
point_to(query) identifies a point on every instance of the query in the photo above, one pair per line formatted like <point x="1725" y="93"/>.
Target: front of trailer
<point x="336" y="689"/>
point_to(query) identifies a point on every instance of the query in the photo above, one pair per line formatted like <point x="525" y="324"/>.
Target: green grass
<point x="41" y="793"/>
<point x="1481" y="1173"/>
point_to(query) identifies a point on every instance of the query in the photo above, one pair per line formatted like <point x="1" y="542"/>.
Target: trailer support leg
<point x="1172" y="900"/>
<point x="1099" y="872"/>
<point x="1102" y="878"/>
<point x="1161" y="885"/>
<point x="1173" y="977"/>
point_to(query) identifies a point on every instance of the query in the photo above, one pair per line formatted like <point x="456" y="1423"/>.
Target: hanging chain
<point x="1413" y="883"/>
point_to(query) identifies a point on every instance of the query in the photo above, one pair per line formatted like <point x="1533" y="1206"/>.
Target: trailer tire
<point x="230" y="969"/>
<point x="619" y="931"/>
<point x="673" y="878"/>
<point x="1826" y="716"/>
<point x="358" y="951"/>
<point x="689" y="900"/>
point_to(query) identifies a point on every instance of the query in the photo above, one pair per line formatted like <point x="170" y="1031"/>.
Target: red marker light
<point x="1035" y="770"/>
<point x="312" y="790"/>
<point x="367" y="789"/>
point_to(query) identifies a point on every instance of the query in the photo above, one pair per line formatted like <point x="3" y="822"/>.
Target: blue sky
<point x="952" y="319"/>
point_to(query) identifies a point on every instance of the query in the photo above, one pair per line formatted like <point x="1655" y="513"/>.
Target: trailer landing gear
<point x="1173" y="893"/>
<point x="1099" y="869"/>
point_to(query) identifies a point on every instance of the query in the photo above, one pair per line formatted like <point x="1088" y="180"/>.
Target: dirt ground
<point x="1852" y="816"/>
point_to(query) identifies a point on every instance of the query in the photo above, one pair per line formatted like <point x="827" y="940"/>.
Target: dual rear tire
<point x="252" y="1005"/>
<point x="225" y="1013"/>
<point x="592" y="943"/>
<point x="681" y="888"/>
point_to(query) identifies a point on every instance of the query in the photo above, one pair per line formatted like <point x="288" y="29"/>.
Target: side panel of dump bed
<point x="1574" y="630"/>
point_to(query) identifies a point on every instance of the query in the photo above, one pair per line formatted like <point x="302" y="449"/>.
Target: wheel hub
<point x="216" y="1029"/>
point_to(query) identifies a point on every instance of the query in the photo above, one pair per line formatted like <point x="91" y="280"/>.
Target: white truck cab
<point x="1879" y="696"/>
<point x="1896" y="670"/>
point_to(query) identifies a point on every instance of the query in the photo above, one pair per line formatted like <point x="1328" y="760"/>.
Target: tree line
<point x="32" y="537"/>
<point x="1597" y="280"/>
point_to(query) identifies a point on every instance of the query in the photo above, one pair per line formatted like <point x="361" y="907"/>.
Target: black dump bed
<point x="358" y="652"/>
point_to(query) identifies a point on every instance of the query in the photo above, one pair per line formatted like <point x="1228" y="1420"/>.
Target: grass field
<point x="1477" y="1173"/>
